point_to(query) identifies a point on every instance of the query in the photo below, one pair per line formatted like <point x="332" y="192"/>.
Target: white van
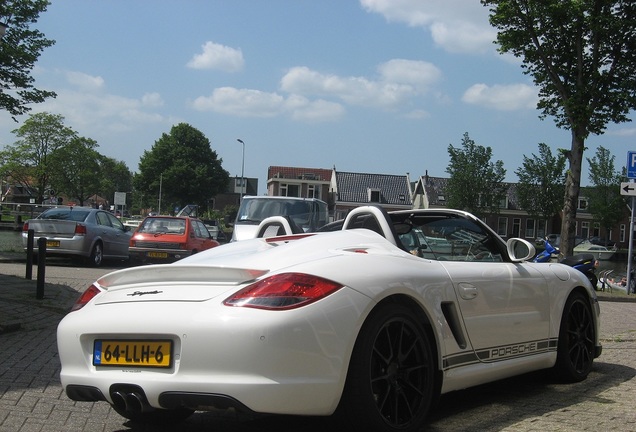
<point x="308" y="214"/>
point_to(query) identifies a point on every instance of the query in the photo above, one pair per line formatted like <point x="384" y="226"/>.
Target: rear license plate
<point x="144" y="353"/>
<point x="52" y="243"/>
<point x="157" y="254"/>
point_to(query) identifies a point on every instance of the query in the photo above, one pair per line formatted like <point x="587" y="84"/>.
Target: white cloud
<point x="502" y="97"/>
<point x="217" y="56"/>
<point x="84" y="81"/>
<point x="623" y="132"/>
<point x="459" y="26"/>
<point x="152" y="100"/>
<point x="399" y="80"/>
<point x="255" y="103"/>
<point x="86" y="105"/>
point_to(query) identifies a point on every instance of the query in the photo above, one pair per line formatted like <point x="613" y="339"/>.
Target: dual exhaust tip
<point x="134" y="402"/>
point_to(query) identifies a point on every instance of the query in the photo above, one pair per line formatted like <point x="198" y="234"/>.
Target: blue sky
<point x="373" y="86"/>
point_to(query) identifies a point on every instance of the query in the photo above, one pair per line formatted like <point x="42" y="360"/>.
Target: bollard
<point x="39" y="294"/>
<point x="29" y="258"/>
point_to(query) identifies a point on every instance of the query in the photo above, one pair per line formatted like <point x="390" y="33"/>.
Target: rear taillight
<point x="80" y="229"/>
<point x="86" y="296"/>
<point x="283" y="291"/>
<point x="25" y="227"/>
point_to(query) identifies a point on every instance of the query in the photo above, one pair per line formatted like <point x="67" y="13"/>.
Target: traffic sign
<point x="631" y="165"/>
<point x="628" y="189"/>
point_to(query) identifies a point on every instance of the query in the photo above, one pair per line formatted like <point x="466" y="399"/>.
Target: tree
<point x="27" y="161"/>
<point x="77" y="172"/>
<point x="19" y="50"/>
<point x="184" y="166"/>
<point x="475" y="183"/>
<point x="114" y="177"/>
<point x="606" y="204"/>
<point x="541" y="182"/>
<point x="582" y="56"/>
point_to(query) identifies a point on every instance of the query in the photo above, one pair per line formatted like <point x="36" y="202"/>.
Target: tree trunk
<point x="572" y="189"/>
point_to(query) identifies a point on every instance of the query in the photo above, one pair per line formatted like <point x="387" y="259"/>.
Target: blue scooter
<point x="585" y="263"/>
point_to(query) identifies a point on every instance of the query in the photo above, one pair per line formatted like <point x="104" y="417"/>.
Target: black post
<point x="41" y="267"/>
<point x="29" y="257"/>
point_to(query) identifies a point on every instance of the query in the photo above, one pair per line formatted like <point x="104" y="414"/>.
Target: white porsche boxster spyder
<point x="370" y="322"/>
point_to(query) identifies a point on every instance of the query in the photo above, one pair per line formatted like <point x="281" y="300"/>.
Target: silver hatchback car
<point x="84" y="232"/>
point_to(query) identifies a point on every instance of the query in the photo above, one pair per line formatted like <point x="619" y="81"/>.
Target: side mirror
<point x="520" y="250"/>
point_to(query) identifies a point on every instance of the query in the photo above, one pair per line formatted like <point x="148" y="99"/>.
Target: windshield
<point x="162" y="226"/>
<point x="254" y="210"/>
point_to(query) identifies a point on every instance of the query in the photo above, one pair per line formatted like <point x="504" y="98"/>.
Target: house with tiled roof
<point x="350" y="190"/>
<point x="511" y="220"/>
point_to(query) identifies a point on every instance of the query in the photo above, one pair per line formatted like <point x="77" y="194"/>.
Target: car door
<point x="504" y="305"/>
<point x="118" y="237"/>
<point x="203" y="238"/>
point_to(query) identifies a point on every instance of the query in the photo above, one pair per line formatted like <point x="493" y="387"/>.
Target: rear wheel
<point x="390" y="383"/>
<point x="97" y="255"/>
<point x="577" y="339"/>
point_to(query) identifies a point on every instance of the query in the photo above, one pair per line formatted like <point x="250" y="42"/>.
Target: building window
<point x="374" y="195"/>
<point x="516" y="227"/>
<point x="530" y="228"/>
<point x="623" y="233"/>
<point x="503" y="203"/>
<point x="597" y="230"/>
<point x="583" y="203"/>
<point x="290" y="190"/>
<point x="313" y="191"/>
<point x="585" y="229"/>
<point x="502" y="226"/>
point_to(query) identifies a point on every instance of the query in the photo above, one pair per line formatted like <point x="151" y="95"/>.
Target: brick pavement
<point x="31" y="397"/>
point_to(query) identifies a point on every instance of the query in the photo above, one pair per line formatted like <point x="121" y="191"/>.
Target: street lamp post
<point x="242" y="169"/>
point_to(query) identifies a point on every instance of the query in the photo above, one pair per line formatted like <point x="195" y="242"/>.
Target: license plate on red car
<point x="139" y="353"/>
<point x="157" y="255"/>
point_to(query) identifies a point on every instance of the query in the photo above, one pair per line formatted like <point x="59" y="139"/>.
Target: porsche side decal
<point x="499" y="353"/>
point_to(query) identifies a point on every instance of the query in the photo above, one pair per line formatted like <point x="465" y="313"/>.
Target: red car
<point x="169" y="238"/>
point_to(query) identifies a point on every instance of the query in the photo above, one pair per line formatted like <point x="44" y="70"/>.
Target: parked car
<point x="81" y="232"/>
<point x="169" y="238"/>
<point x="347" y="321"/>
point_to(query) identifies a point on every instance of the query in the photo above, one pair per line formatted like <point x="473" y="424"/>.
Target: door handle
<point x="467" y="291"/>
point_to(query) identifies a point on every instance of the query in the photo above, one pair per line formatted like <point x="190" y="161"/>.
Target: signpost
<point x="629" y="189"/>
<point x="120" y="200"/>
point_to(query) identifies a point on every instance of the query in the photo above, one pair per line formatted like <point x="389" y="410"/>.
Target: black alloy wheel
<point x="577" y="339"/>
<point x="390" y="384"/>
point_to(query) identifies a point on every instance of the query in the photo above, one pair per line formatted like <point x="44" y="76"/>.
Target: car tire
<point x="97" y="255"/>
<point x="390" y="383"/>
<point x="577" y="339"/>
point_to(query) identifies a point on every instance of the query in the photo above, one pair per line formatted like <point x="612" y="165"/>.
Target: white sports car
<point x="372" y="322"/>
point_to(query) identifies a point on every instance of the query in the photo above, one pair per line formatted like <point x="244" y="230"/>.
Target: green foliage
<point x="27" y="161"/>
<point x="475" y="183"/>
<point x="50" y="155"/>
<point x="541" y="183"/>
<point x="582" y="56"/>
<point x="606" y="204"/>
<point x="76" y="169"/>
<point x="184" y="165"/>
<point x="114" y="176"/>
<point x="19" y="50"/>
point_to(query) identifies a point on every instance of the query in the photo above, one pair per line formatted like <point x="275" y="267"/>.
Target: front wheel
<point x="577" y="339"/>
<point x="391" y="378"/>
